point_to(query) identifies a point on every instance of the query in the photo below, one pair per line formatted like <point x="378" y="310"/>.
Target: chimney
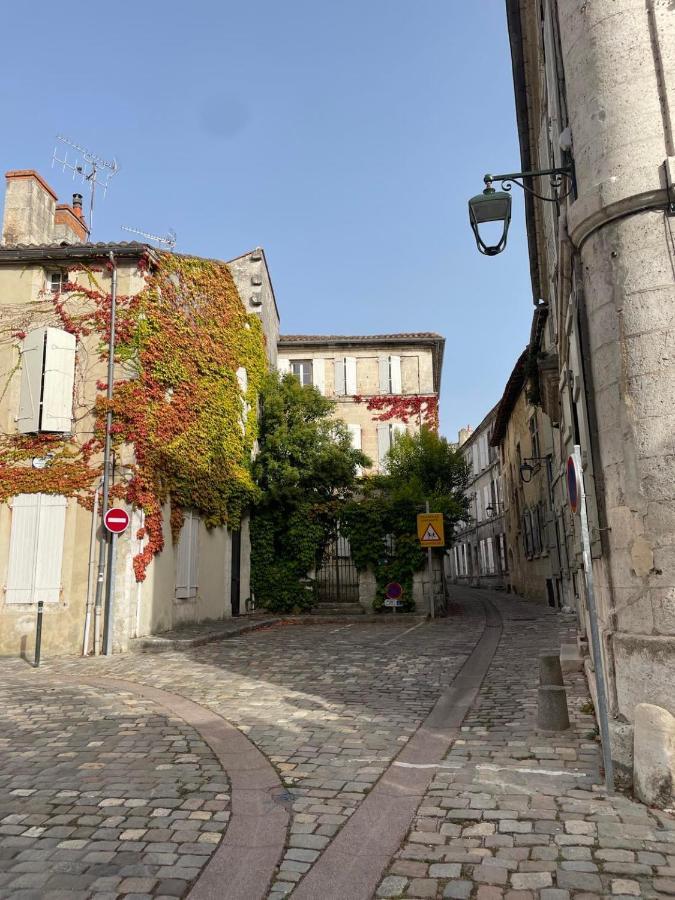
<point x="30" y="206"/>
<point x="69" y="224"/>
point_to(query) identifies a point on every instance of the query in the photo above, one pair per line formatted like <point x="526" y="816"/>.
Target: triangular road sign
<point x="430" y="534"/>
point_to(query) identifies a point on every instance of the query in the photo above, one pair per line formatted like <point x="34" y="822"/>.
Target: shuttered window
<point x="390" y="374"/>
<point x="187" y="557"/>
<point x="386" y="435"/>
<point x="47" y="378"/>
<point x="36" y="548"/>
<point x="283" y="366"/>
<point x="345" y="376"/>
<point x="302" y="369"/>
<point x="355" y="434"/>
<point x="319" y="374"/>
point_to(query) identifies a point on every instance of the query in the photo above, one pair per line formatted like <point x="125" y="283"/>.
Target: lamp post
<point x="495" y="206"/>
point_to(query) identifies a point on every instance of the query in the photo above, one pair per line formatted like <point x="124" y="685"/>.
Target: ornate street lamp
<point x="495" y="206"/>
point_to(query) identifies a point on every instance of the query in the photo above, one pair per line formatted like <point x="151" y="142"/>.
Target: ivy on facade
<point x="422" y="409"/>
<point x="180" y="415"/>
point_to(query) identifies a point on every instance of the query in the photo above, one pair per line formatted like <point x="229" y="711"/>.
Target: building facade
<point x="53" y="376"/>
<point x="382" y="384"/>
<point x="479" y="555"/>
<point x="596" y="91"/>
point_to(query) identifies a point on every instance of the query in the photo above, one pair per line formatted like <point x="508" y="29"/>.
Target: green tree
<point x="382" y="522"/>
<point x="306" y="469"/>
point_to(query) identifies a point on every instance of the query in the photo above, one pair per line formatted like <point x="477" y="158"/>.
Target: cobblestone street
<point x="108" y="791"/>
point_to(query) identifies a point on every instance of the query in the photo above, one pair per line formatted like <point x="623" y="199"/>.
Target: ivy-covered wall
<point x="190" y="360"/>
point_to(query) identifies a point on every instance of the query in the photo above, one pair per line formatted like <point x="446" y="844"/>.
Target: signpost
<point x="116" y="521"/>
<point x="394" y="592"/>
<point x="577" y="498"/>
<point x="430" y="533"/>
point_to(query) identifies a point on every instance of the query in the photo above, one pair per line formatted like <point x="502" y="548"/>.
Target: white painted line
<point x="405" y="765"/>
<point x="403" y="633"/>
<point x="341" y="628"/>
<point x="491" y="768"/>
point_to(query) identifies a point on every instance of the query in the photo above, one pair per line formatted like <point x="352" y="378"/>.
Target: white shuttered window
<point x="345" y="376"/>
<point x="283" y="365"/>
<point x="390" y="374"/>
<point x="187" y="557"/>
<point x="319" y="375"/>
<point x="386" y="435"/>
<point x="47" y="378"/>
<point x="36" y="548"/>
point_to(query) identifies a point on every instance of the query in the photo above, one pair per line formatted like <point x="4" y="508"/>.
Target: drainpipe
<point x="107" y="457"/>
<point x="90" y="567"/>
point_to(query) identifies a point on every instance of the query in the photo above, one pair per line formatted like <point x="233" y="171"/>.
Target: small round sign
<point x="572" y="484"/>
<point x="116" y="520"/>
<point x="394" y="590"/>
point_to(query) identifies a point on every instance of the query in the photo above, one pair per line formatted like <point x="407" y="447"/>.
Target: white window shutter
<point x="397" y="429"/>
<point x="355" y="434"/>
<point x="22" y="548"/>
<point x="50" y="533"/>
<point x="339" y="376"/>
<point x="486" y="497"/>
<point x="187" y="557"/>
<point x="350" y="375"/>
<point x="395" y="369"/>
<point x="383" y="443"/>
<point x="385" y="383"/>
<point x="319" y="375"/>
<point x="490" y="556"/>
<point x="242" y="378"/>
<point x="193" y="571"/>
<point x="36" y="548"/>
<point x="32" y="353"/>
<point x="283" y="365"/>
<point x="474" y="459"/>
<point x="57" y="395"/>
<point x="479" y="507"/>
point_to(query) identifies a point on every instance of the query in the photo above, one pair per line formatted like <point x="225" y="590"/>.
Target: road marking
<point x="405" y="765"/>
<point x="574" y="773"/>
<point x="341" y="628"/>
<point x="403" y="633"/>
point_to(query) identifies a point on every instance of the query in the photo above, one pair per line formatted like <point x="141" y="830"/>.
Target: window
<point x="490" y="556"/>
<point x="47" y="378"/>
<point x="345" y="376"/>
<point x="355" y="434"/>
<point x="187" y="557"/>
<point x="527" y="533"/>
<point x="386" y="435"/>
<point x="56" y="280"/>
<point x="302" y="369"/>
<point x="36" y="548"/>
<point x="390" y="374"/>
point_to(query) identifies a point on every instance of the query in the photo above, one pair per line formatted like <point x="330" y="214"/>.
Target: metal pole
<point x="110" y="597"/>
<point x="601" y="690"/>
<point x="432" y="611"/>
<point x="107" y="455"/>
<point x="38" y="633"/>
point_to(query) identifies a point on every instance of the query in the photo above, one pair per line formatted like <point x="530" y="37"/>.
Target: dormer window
<point x="56" y="281"/>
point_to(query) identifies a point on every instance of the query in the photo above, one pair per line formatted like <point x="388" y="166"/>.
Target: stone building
<point x="479" y="556"/>
<point x="383" y="384"/>
<point x="524" y="438"/>
<point x="595" y="88"/>
<point x="50" y="383"/>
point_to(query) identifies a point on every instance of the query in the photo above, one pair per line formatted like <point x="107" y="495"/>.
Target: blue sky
<point x="345" y="138"/>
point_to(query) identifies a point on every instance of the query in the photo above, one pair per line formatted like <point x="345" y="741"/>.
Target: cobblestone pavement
<point x="101" y="794"/>
<point x="509" y="813"/>
<point x="329" y="705"/>
<point x="517" y="814"/>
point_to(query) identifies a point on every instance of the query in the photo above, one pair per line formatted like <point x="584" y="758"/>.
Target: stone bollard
<point x="552" y="708"/>
<point x="550" y="671"/>
<point x="654" y="756"/>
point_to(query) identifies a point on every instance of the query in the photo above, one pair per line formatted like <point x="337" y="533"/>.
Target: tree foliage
<point x="382" y="522"/>
<point x="306" y="469"/>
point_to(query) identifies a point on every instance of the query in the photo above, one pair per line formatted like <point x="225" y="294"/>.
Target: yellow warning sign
<point x="430" y="529"/>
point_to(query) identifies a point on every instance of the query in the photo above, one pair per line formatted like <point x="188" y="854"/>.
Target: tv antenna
<point x="92" y="169"/>
<point x="168" y="240"/>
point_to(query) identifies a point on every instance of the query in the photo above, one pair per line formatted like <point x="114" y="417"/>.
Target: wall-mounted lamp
<point x="495" y="206"/>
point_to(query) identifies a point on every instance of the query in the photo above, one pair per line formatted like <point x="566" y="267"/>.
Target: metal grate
<point x="337" y="579"/>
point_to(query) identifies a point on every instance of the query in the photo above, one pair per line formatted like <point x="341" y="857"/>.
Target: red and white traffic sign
<point x="116" y="520"/>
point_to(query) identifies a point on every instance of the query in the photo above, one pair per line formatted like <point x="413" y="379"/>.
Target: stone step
<point x="338" y="609"/>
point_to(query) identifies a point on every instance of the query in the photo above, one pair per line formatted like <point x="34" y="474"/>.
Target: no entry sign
<point x="116" y="520"/>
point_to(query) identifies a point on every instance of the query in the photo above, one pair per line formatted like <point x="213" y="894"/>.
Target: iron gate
<point x="337" y="579"/>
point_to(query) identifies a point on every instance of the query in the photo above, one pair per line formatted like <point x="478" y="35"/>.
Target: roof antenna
<point x="93" y="169"/>
<point x="168" y="240"/>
